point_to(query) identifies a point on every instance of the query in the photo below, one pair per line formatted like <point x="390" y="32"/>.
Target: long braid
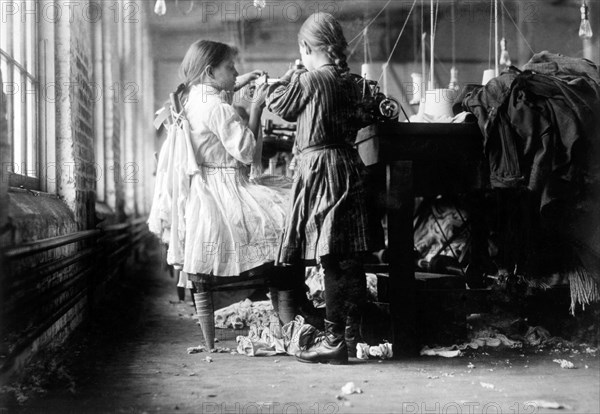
<point x="182" y="90"/>
<point x="339" y="58"/>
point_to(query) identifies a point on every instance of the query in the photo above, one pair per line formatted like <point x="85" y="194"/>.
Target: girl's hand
<point x="259" y="97"/>
<point x="246" y="78"/>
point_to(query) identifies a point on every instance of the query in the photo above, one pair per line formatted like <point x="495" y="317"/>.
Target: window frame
<point x="37" y="75"/>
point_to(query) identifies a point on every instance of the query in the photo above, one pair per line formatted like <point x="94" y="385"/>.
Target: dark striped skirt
<point x="328" y="212"/>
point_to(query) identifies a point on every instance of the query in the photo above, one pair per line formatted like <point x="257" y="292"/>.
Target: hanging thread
<point x="453" y="33"/>
<point x="355" y="45"/>
<point x="517" y="27"/>
<point x="423" y="43"/>
<point x="371" y="22"/>
<point x="490" y="36"/>
<point x="398" y="38"/>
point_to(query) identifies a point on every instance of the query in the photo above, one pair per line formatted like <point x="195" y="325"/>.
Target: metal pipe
<point x="115" y="227"/>
<point x="50" y="243"/>
<point x="49" y="268"/>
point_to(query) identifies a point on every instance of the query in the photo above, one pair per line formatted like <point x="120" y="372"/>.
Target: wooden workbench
<point x="416" y="159"/>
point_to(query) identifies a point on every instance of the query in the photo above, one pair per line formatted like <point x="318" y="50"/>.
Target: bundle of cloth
<point x="243" y="314"/>
<point x="439" y="226"/>
<point x="541" y="129"/>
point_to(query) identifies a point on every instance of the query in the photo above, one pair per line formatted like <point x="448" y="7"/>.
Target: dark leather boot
<point x="331" y="349"/>
<point x="352" y="335"/>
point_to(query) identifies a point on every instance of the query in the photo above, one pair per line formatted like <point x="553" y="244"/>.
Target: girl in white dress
<point x="221" y="224"/>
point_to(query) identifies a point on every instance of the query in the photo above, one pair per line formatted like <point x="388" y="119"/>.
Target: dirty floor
<point x="133" y="359"/>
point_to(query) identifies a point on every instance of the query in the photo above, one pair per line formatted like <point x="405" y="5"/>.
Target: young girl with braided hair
<point x="327" y="218"/>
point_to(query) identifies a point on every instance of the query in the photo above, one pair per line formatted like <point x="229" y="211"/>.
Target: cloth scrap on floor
<point x="489" y="337"/>
<point x="202" y="348"/>
<point x="481" y="339"/>
<point x="196" y="349"/>
<point x="447" y="352"/>
<point x="351" y="388"/>
<point x="261" y="341"/>
<point x="381" y="351"/>
<point x="553" y="405"/>
<point x="274" y="339"/>
<point x="564" y="363"/>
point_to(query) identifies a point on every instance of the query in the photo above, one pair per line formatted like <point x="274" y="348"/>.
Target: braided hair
<point x="322" y="31"/>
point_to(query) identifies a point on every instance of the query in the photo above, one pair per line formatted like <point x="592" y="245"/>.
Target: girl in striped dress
<point x="327" y="218"/>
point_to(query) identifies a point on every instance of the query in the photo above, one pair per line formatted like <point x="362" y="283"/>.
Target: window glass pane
<point x="5" y="21"/>
<point x="18" y="38"/>
<point x="17" y="122"/>
<point x="31" y="49"/>
<point x="32" y="147"/>
<point x="5" y="28"/>
<point x="5" y="74"/>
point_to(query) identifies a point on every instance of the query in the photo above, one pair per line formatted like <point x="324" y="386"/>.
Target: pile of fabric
<point x="244" y="314"/>
<point x="272" y="339"/>
<point x="535" y="336"/>
<point x="439" y="231"/>
<point x="541" y="128"/>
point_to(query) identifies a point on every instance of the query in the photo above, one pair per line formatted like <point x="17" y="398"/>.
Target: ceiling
<point x="189" y="15"/>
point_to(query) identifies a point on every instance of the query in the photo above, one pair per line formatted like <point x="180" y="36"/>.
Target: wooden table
<point x="416" y="159"/>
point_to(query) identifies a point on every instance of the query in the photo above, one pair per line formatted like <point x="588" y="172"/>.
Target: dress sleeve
<point x="237" y="139"/>
<point x="288" y="99"/>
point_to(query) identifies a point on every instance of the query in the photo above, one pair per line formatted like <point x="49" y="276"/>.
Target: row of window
<point x="30" y="93"/>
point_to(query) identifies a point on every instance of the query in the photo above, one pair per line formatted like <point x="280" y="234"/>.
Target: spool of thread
<point x="385" y="69"/>
<point x="417" y="87"/>
<point x="453" y="78"/>
<point x="370" y="71"/>
<point x="488" y="75"/>
<point x="438" y="102"/>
